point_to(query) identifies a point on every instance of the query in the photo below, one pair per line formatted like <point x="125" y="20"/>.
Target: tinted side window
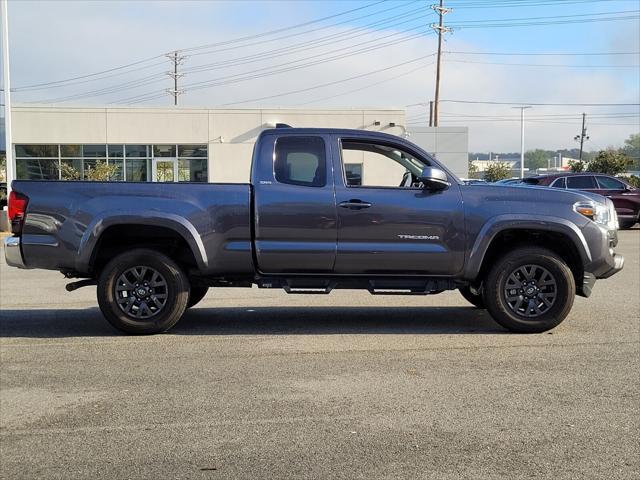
<point x="559" y="183"/>
<point x="610" y="183"/>
<point x="301" y="161"/>
<point x="581" y="182"/>
<point x="380" y="165"/>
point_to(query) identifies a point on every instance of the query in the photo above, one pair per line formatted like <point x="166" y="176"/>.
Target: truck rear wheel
<point x="142" y="292"/>
<point x="195" y="295"/>
<point x="529" y="290"/>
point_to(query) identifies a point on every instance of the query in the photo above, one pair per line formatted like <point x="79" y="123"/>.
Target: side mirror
<point x="434" y="179"/>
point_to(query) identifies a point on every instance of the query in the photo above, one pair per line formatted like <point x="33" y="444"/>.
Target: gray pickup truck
<point x="307" y="224"/>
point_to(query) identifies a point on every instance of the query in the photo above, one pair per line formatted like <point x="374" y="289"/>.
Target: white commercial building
<point x="190" y="144"/>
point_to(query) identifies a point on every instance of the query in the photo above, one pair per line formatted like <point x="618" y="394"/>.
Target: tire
<point x="196" y="294"/>
<point x="473" y="298"/>
<point x="134" y="278"/>
<point x="539" y="305"/>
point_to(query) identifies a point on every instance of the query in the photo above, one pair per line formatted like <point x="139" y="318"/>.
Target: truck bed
<point x="66" y="220"/>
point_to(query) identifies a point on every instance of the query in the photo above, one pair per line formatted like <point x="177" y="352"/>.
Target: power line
<point x="395" y="77"/>
<point x="522" y="3"/>
<point x="326" y="27"/>
<point x="325" y="84"/>
<point x="302" y="47"/>
<point x="538" y="54"/>
<point x="559" y="22"/>
<point x="236" y="40"/>
<point x="240" y="76"/>
<point x="88" y="75"/>
<point x="543" y="64"/>
<point x="480" y="102"/>
<point x="271" y="32"/>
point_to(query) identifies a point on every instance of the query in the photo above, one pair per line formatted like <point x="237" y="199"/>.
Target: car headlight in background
<point x="602" y="214"/>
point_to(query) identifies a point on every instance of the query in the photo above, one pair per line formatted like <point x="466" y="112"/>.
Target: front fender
<point x="501" y="223"/>
<point x="105" y="220"/>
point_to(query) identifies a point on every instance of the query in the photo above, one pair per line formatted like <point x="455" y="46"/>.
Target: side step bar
<point x="319" y="286"/>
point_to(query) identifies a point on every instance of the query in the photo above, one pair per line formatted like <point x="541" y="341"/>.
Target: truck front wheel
<point x="142" y="292"/>
<point x="529" y="290"/>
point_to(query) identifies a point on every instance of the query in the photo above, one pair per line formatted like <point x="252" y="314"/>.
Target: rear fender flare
<point x="173" y="222"/>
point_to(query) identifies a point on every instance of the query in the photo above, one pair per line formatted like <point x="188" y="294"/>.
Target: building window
<point x="37" y="162"/>
<point x="164" y="150"/>
<point x="133" y="162"/>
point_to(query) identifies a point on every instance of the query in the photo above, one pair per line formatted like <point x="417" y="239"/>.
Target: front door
<point x="389" y="224"/>
<point x="164" y="169"/>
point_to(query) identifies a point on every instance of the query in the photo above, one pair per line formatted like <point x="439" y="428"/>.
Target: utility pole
<point x="431" y="113"/>
<point x="522" y="109"/>
<point x="11" y="166"/>
<point x="440" y="29"/>
<point x="176" y="60"/>
<point x="583" y="134"/>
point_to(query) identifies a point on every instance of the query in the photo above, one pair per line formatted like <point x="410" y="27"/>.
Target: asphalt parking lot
<point x="258" y="384"/>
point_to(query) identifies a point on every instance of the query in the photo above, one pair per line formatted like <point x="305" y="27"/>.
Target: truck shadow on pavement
<point x="263" y="321"/>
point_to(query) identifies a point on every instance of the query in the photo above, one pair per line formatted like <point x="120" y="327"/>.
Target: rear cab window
<point x="300" y="160"/>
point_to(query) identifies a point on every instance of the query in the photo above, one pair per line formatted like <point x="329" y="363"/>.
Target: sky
<point x="311" y="54"/>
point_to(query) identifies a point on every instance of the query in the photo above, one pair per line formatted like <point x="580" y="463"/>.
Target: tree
<point x="497" y="171"/>
<point x="473" y="169"/>
<point x="3" y="167"/>
<point x="610" y="162"/>
<point x="535" y="159"/>
<point x="576" y="166"/>
<point x="100" y="172"/>
<point x="632" y="149"/>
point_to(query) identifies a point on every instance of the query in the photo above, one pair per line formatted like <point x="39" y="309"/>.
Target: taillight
<point x="17" y="210"/>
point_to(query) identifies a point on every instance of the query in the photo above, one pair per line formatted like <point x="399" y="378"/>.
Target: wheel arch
<point x="500" y="234"/>
<point x="166" y="232"/>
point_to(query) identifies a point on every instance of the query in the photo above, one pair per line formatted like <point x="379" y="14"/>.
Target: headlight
<point x="599" y="213"/>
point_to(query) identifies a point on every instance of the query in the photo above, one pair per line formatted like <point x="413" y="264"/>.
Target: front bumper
<point x="604" y="261"/>
<point x="13" y="252"/>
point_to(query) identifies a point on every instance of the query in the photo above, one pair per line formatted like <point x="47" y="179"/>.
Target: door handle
<point x="354" y="204"/>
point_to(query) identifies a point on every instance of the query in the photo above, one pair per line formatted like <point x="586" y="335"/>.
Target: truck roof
<point x="332" y="131"/>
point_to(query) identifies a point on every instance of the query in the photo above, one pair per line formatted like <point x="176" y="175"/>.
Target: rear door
<point x="387" y="223"/>
<point x="294" y="204"/>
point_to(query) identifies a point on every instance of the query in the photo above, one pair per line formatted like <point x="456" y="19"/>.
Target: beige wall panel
<point x="157" y="126"/>
<point x="309" y="119"/>
<point x="58" y="125"/>
<point x="452" y="142"/>
<point x="230" y="162"/>
<point x="235" y="126"/>
<point x="385" y="118"/>
<point x="456" y="162"/>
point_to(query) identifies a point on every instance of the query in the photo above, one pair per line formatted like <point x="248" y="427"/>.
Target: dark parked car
<point x="303" y="225"/>
<point x="625" y="197"/>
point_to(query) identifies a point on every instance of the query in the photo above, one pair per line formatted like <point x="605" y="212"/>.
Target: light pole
<point x="522" y="109"/>
<point x="7" y="95"/>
